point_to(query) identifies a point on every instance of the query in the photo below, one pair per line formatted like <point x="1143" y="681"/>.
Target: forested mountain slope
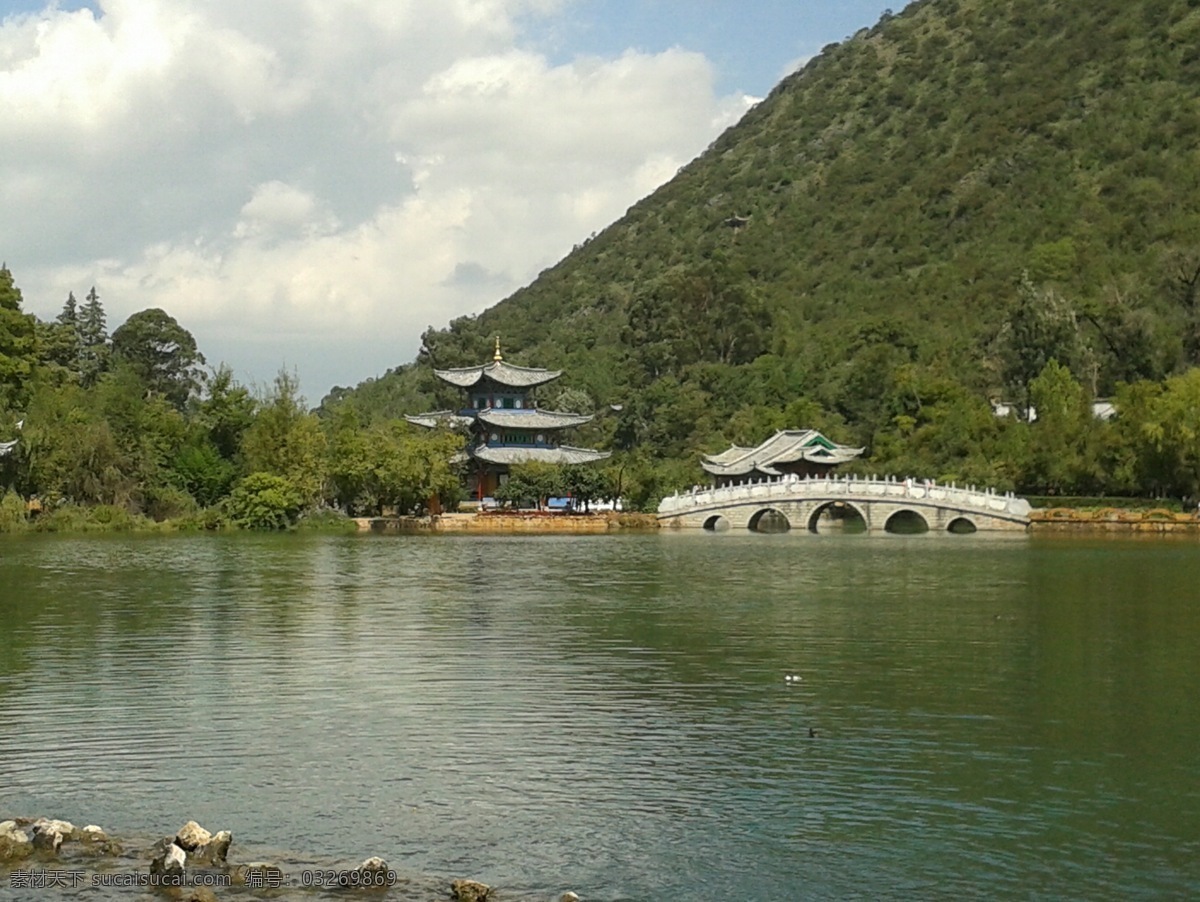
<point x="921" y="218"/>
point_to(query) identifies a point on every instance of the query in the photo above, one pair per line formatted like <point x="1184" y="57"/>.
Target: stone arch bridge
<point x="882" y="504"/>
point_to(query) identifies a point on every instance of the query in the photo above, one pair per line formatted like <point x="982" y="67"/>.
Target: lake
<point x="1009" y="716"/>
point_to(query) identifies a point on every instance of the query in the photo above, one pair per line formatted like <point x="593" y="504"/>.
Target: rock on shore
<point x="170" y="858"/>
<point x="470" y="891"/>
<point x="14" y="842"/>
<point x="169" y="861"/>
<point x="49" y="835"/>
<point x="192" y="836"/>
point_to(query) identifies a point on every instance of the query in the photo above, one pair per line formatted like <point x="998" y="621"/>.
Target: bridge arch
<point x="961" y="526"/>
<point x="846" y="514"/>
<point x="906" y="521"/>
<point x="717" y="523"/>
<point x="769" y="519"/>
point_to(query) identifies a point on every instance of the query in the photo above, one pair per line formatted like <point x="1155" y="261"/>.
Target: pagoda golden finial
<point x="496" y="357"/>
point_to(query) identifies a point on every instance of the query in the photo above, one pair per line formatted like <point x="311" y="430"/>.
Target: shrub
<point x="12" y="513"/>
<point x="167" y="502"/>
<point x="209" y="519"/>
<point x="327" y="520"/>
<point x="101" y="518"/>
<point x="203" y="473"/>
<point x="264" y="501"/>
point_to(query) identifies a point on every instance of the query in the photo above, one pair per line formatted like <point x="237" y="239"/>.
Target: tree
<point x="225" y="412"/>
<point x="1137" y="463"/>
<point x="585" y="484"/>
<point x="664" y="417"/>
<point x="1062" y="439"/>
<point x="70" y="450"/>
<point x="573" y="400"/>
<point x="162" y="352"/>
<point x="533" y="481"/>
<point x="644" y="482"/>
<point x="18" y="347"/>
<point x="286" y="440"/>
<point x="60" y="345"/>
<point x="1184" y="280"/>
<point x="93" y="339"/>
<point x="703" y="313"/>
<point x="70" y="311"/>
<point x="201" y="471"/>
<point x="1130" y="345"/>
<point x="411" y="468"/>
<point x="1041" y="326"/>
<point x="66" y="325"/>
<point x="1171" y="428"/>
<point x="351" y="462"/>
<point x="148" y="431"/>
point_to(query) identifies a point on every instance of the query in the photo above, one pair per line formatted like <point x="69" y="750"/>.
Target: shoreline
<point x="1041" y="521"/>
<point x="1157" y="521"/>
<point x="506" y="523"/>
<point x="194" y="865"/>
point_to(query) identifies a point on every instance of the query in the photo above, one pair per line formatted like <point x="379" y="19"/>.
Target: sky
<point x="309" y="184"/>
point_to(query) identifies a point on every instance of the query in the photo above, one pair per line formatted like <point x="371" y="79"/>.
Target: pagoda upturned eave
<point x="436" y="418"/>
<point x="507" y="455"/>
<point x="510" y="418"/>
<point x="532" y="418"/>
<point x="499" y="372"/>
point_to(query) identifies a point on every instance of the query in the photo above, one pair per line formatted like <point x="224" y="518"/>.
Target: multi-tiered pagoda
<point x="504" y="424"/>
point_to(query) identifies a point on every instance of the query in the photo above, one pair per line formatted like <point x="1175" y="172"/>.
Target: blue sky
<point x="749" y="43"/>
<point x="311" y="185"/>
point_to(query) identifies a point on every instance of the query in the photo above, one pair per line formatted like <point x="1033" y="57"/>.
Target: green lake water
<point x="1011" y="717"/>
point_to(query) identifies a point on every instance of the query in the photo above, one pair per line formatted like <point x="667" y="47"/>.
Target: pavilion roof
<point x="784" y="447"/>
<point x="564" y="454"/>
<point x="498" y="371"/>
<point x="532" y="418"/>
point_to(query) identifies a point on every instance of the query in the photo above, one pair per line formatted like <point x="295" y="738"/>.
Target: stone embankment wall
<point x="1055" y="520"/>
<point x="507" y="523"/>
<point x="1069" y="520"/>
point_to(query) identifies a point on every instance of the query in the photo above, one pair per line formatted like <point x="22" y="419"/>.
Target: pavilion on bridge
<point x="803" y="452"/>
<point x="504" y="424"/>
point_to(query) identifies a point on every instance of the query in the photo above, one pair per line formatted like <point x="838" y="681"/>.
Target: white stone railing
<point x="851" y="487"/>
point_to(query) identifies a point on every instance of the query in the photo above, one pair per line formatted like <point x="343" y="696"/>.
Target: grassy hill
<point x="899" y="205"/>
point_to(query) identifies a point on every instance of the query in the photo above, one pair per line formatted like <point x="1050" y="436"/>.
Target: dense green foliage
<point x="123" y="433"/>
<point x="970" y="201"/>
<point x="162" y="353"/>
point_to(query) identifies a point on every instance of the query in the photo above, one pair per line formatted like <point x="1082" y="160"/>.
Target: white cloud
<point x="316" y="182"/>
<point x="279" y="209"/>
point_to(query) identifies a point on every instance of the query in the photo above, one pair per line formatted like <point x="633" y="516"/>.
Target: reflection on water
<point x="610" y="715"/>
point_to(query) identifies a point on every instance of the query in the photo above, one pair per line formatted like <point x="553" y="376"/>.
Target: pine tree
<point x="60" y="339"/>
<point x="70" y="310"/>
<point x="93" y="339"/>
